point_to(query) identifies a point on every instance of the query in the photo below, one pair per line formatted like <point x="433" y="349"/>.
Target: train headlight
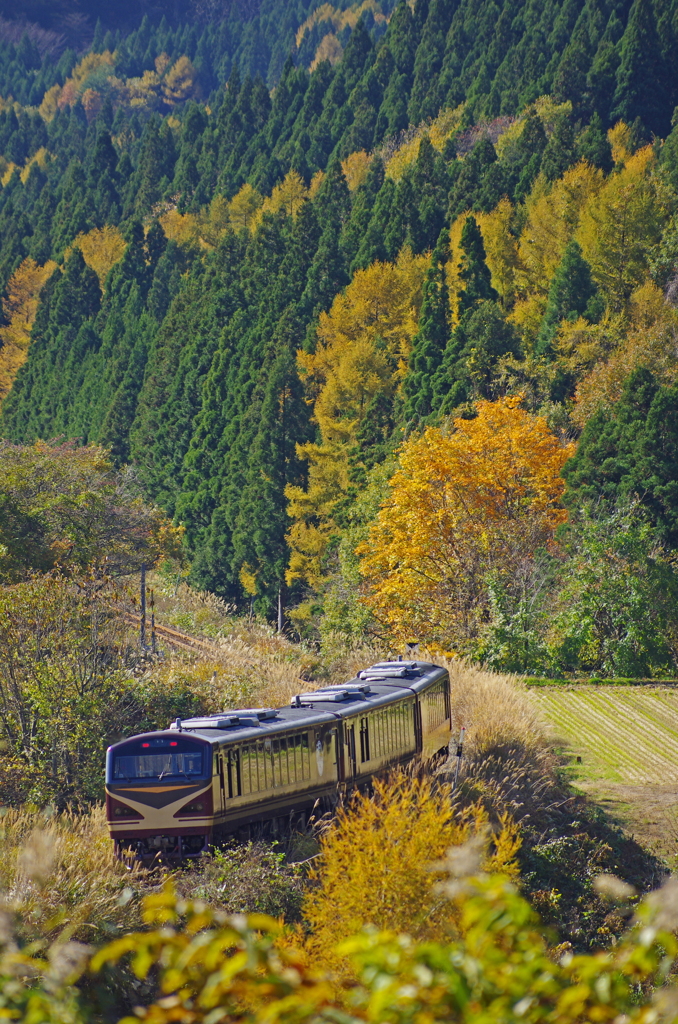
<point x="116" y="809"/>
<point x="200" y="807"/>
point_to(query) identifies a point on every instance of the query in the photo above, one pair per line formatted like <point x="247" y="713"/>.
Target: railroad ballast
<point x="174" y="793"/>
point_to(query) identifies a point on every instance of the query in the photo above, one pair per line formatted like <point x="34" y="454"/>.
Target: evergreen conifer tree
<point x="102" y="179"/>
<point x="572" y="293"/>
<point x="474" y="271"/>
<point x="631" y="453"/>
<point x="641" y="77"/>
<point x="432" y="336"/>
<point x="261" y="523"/>
<point x="593" y="145"/>
<point x="559" y="152"/>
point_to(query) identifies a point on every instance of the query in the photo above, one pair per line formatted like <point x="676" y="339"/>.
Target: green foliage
<point x="469" y="363"/>
<point x="514" y="639"/>
<point x="177" y="360"/>
<point x="618" y="599"/>
<point x="430" y="341"/>
<point x="248" y="878"/>
<point x="66" y="686"/>
<point x="631" y="453"/>
<point x="605" y="605"/>
<point x="572" y="293"/>
<point x="640" y="91"/>
<point x="502" y="960"/>
<point x="64" y="505"/>
<point x="474" y="272"/>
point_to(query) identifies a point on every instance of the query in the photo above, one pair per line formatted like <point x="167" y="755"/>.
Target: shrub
<point x="376" y="864"/>
<point x="216" y="969"/>
<point x="248" y="878"/>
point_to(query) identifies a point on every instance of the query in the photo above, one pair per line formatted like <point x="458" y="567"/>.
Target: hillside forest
<point x="345" y="327"/>
<point x="376" y="306"/>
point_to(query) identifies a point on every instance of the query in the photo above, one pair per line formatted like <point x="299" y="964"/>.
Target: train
<point x="174" y="794"/>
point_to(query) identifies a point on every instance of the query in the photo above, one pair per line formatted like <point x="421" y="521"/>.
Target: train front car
<point x="159" y="801"/>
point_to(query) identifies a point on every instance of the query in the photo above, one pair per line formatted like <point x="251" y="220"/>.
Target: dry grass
<point x="58" y="874"/>
<point x="508" y="763"/>
<point x="494" y="708"/>
<point x="249" y="662"/>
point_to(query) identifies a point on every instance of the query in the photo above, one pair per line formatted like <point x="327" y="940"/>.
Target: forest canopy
<point x="265" y="259"/>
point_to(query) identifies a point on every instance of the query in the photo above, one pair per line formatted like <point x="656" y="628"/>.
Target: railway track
<point x="173" y="637"/>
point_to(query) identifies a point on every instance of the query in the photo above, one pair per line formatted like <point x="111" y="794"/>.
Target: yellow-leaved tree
<point x="501" y="254"/>
<point x="180" y="82"/>
<point x="621" y="225"/>
<point x="289" y="196"/>
<point x="19" y="309"/>
<point x="553" y="215"/>
<point x="501" y="248"/>
<point x="363" y="344"/>
<point x="455" y="284"/>
<point x="101" y="249"/>
<point x="651" y="341"/>
<point x="243" y="207"/>
<point x="464" y="506"/>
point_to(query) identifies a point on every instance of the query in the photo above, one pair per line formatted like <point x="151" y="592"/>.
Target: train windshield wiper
<point x="166" y="771"/>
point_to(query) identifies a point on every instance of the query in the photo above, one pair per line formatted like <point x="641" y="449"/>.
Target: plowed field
<point x="627" y="740"/>
<point x="621" y="734"/>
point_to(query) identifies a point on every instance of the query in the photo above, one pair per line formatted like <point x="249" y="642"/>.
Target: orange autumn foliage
<point x="464" y="507"/>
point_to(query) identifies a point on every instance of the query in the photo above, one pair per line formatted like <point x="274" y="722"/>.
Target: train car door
<point x="352" y="760"/>
<point x="221" y="802"/>
<point x="418" y="730"/>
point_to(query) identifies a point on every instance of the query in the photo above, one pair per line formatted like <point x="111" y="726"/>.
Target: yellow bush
<point x="355" y="168"/>
<point x="378" y="864"/>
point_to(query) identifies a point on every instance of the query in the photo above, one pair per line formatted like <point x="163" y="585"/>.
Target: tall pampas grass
<point x="58" y="872"/>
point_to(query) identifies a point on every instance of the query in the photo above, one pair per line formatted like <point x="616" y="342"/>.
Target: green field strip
<point x="603" y="720"/>
<point x="644" y="746"/>
<point x="654" y="730"/>
<point x="658" y="734"/>
<point x="667" y="698"/>
<point x="581" y="728"/>
<point x="592" y="719"/>
<point x="625" y="718"/>
<point x="668" y="702"/>
<point x="633" y="717"/>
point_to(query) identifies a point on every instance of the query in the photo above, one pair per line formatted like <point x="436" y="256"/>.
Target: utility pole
<point x="280" y="610"/>
<point x="153" y="621"/>
<point x="143" y="609"/>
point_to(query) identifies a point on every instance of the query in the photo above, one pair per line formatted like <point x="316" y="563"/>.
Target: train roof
<point x="375" y="687"/>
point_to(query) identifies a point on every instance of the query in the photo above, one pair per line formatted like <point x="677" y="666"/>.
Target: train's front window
<point x="159" y="764"/>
